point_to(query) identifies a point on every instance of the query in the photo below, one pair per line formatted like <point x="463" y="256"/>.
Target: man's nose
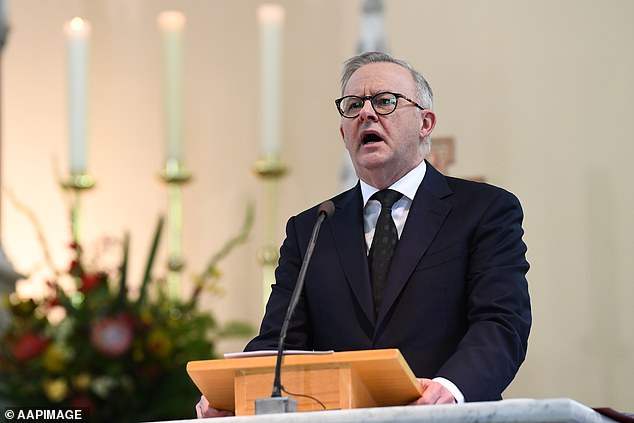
<point x="367" y="111"/>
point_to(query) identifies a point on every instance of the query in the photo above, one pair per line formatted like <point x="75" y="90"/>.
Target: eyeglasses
<point x="383" y="104"/>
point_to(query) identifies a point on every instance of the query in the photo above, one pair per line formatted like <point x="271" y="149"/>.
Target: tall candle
<point x="271" y="20"/>
<point x="172" y="24"/>
<point x="78" y="33"/>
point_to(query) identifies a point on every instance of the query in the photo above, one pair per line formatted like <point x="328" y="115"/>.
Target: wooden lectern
<point x="340" y="380"/>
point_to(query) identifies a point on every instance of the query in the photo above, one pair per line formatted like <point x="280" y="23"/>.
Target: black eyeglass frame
<point x="371" y="98"/>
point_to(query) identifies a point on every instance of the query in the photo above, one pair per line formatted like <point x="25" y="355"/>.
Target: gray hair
<point x="424" y="94"/>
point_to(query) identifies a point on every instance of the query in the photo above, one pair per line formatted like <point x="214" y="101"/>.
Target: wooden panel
<point x="329" y="384"/>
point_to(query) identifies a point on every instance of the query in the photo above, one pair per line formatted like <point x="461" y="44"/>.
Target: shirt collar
<point x="407" y="185"/>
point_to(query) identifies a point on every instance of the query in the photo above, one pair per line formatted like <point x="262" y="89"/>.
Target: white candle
<point x="78" y="33"/>
<point x="271" y="20"/>
<point x="172" y="24"/>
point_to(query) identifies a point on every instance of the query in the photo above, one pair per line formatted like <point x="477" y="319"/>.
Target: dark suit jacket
<point x="456" y="302"/>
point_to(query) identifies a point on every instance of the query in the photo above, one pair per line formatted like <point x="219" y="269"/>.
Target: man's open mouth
<point x="370" y="138"/>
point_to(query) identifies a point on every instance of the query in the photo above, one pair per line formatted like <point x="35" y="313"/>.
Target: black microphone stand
<point x="277" y="403"/>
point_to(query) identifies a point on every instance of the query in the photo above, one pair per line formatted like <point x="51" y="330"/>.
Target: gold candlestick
<point x="270" y="170"/>
<point x="78" y="182"/>
<point x="175" y="176"/>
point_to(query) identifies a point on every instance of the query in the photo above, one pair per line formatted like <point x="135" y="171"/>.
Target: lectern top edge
<point x="381" y="375"/>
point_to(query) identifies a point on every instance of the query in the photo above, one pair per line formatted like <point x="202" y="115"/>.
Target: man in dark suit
<point x="455" y="299"/>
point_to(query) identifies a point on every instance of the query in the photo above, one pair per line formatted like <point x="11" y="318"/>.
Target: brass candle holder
<point x="270" y="170"/>
<point x="77" y="183"/>
<point x="175" y="176"/>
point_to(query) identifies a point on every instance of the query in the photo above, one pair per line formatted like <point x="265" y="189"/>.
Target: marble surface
<point x="558" y="410"/>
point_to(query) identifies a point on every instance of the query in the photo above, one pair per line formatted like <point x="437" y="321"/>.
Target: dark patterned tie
<point x="383" y="243"/>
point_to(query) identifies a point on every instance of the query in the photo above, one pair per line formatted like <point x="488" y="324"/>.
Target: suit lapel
<point x="426" y="216"/>
<point x="347" y="231"/>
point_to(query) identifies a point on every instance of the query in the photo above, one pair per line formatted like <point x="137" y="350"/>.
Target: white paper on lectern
<point x="264" y="353"/>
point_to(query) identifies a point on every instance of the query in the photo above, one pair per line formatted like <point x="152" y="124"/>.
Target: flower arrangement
<point x="89" y="344"/>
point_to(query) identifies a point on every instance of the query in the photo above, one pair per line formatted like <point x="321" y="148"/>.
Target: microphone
<point x="276" y="403"/>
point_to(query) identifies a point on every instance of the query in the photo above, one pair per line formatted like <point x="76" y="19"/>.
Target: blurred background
<point x="537" y="96"/>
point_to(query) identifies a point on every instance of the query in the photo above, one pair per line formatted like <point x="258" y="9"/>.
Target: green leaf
<point x="123" y="273"/>
<point x="147" y="275"/>
<point x="212" y="265"/>
<point x="240" y="238"/>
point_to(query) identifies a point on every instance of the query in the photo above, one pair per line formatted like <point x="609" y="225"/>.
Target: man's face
<point x="385" y="148"/>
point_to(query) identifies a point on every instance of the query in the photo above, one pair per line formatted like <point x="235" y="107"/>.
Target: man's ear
<point x="429" y="122"/>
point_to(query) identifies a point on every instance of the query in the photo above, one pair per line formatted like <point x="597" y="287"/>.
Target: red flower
<point x="131" y="320"/>
<point x="82" y="401"/>
<point x="29" y="345"/>
<point x="89" y="281"/>
<point x="112" y="336"/>
<point x="52" y="302"/>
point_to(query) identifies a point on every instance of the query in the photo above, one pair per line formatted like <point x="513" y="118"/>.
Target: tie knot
<point x="387" y="197"/>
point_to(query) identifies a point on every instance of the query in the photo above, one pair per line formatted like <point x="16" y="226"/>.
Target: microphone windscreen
<point x="327" y="207"/>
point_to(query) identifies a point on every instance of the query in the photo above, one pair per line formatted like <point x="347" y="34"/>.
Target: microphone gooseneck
<point x="326" y="209"/>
